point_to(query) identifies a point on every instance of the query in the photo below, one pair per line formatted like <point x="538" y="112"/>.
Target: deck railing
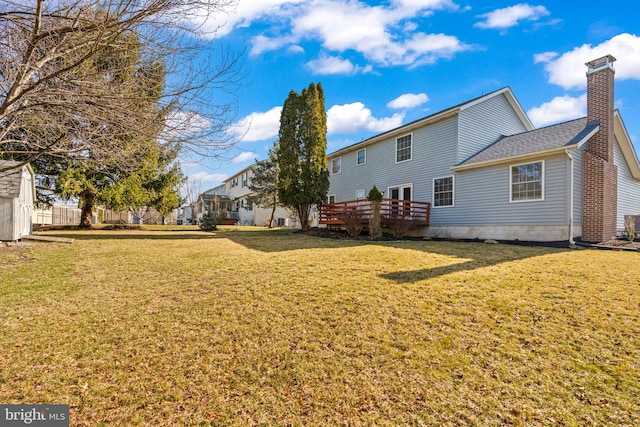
<point x="340" y="213"/>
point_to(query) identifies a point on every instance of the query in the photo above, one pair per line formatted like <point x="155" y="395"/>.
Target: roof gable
<point x="436" y="117"/>
<point x="11" y="180"/>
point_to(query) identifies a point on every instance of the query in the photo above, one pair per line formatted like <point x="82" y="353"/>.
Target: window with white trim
<point x="336" y="165"/>
<point x="245" y="179"/>
<point x="331" y="198"/>
<point x="362" y="157"/>
<point x="403" y="148"/>
<point x="443" y="192"/>
<point x="527" y="182"/>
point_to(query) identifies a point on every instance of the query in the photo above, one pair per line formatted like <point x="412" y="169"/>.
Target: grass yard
<point x="252" y="327"/>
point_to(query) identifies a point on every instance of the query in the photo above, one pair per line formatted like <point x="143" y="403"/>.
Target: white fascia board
<point x="520" y="158"/>
<point x="626" y="146"/>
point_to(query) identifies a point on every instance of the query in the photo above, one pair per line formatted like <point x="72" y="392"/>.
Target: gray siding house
<point x="17" y="195"/>
<point x="487" y="173"/>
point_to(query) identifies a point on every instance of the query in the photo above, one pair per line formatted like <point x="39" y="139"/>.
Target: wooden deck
<point x="340" y="213"/>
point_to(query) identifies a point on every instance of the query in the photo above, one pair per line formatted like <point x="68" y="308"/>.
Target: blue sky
<point x="386" y="63"/>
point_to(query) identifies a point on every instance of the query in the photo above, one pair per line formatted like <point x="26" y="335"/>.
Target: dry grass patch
<point x="253" y="327"/>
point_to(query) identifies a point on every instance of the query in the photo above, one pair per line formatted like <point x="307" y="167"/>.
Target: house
<point x="231" y="200"/>
<point x="17" y="197"/>
<point x="487" y="173"/>
<point x="237" y="188"/>
<point x="215" y="200"/>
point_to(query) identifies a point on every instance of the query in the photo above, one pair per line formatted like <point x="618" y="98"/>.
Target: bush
<point x="398" y="223"/>
<point x="209" y="221"/>
<point x="352" y="219"/>
<point x="374" y="195"/>
<point x="630" y="227"/>
<point x="375" y="226"/>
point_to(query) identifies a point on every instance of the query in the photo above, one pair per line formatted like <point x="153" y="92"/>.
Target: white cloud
<point x="294" y="48"/>
<point x="326" y="65"/>
<point x="205" y="177"/>
<point x="408" y="100"/>
<point x="568" y="70"/>
<point x="355" y="117"/>
<point x="247" y="156"/>
<point x="341" y="119"/>
<point x="245" y="13"/>
<point x="560" y="108"/>
<point x="384" y="34"/>
<point x="373" y="31"/>
<point x="544" y="57"/>
<point x="511" y="16"/>
<point x="258" y="126"/>
<point x="416" y="5"/>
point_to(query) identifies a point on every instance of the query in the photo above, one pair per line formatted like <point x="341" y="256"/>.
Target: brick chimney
<point x="600" y="175"/>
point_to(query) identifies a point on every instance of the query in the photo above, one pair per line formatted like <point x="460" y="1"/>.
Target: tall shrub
<point x="303" y="176"/>
<point x="375" y="226"/>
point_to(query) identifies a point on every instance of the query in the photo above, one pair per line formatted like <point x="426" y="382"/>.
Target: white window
<point x="331" y="198"/>
<point x="362" y="157"/>
<point x="403" y="148"/>
<point x="336" y="165"/>
<point x="234" y="182"/>
<point x="527" y="182"/>
<point x="245" y="179"/>
<point x="360" y="195"/>
<point x="443" y="192"/>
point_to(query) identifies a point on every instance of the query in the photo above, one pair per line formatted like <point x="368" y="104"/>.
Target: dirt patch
<point x="622" y="244"/>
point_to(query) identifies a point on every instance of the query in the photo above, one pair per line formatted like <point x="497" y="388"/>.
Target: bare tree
<point x="191" y="189"/>
<point x="53" y="101"/>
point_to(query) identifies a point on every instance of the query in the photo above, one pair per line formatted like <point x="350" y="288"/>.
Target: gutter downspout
<point x="571" y="241"/>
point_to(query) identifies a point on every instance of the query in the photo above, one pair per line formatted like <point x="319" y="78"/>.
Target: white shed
<point x="17" y="196"/>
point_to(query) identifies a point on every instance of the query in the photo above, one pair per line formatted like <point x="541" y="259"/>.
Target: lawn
<point x="253" y="327"/>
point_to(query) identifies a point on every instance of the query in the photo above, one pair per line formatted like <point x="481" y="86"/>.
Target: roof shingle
<point x="10" y="180"/>
<point x="561" y="135"/>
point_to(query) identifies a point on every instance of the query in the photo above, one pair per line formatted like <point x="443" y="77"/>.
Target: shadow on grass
<point x="477" y="255"/>
<point x="123" y="235"/>
<point x="473" y="255"/>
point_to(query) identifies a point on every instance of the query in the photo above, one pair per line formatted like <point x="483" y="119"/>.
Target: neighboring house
<point x="215" y="200"/>
<point x="237" y="189"/>
<point x="487" y="173"/>
<point x="17" y="197"/>
<point x="231" y="201"/>
<point x="185" y="215"/>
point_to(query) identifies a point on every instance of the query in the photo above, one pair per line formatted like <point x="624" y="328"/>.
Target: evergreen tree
<point x="264" y="183"/>
<point x="209" y="221"/>
<point x="375" y="220"/>
<point x="303" y="177"/>
<point x="138" y="172"/>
